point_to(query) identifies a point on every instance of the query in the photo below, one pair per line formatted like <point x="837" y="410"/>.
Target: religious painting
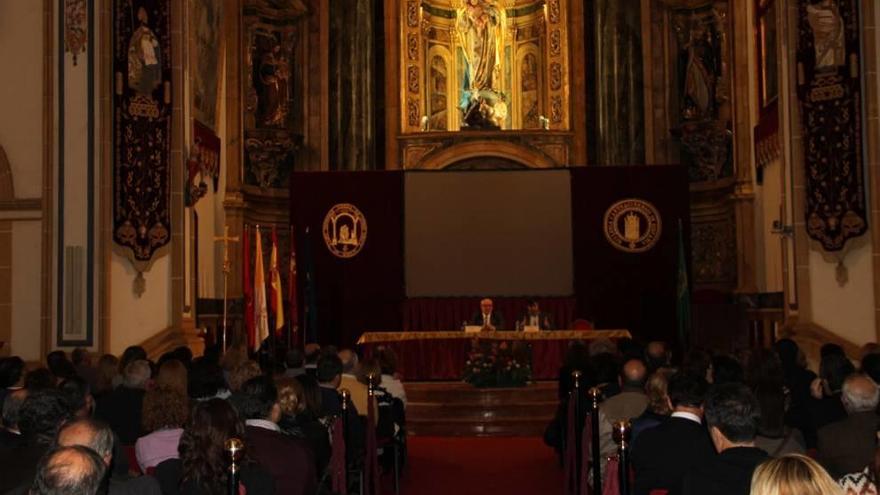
<point x="829" y="90"/>
<point x="142" y="129"/>
<point x="206" y="47"/>
<point x="439" y="93"/>
<point x="768" y="55"/>
<point x="529" y="92"/>
<point x="203" y="163"/>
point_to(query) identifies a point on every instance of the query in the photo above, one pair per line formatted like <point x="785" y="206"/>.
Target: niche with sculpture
<point x="484" y="65"/>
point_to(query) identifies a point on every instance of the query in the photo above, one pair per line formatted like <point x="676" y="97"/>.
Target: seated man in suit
<point x="630" y="403"/>
<point x="534" y="317"/>
<point x="663" y="454"/>
<point x="288" y="459"/>
<point x="847" y="446"/>
<point x="486" y="318"/>
<point x="732" y="414"/>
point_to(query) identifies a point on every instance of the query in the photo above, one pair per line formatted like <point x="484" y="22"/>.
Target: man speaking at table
<point x="486" y="318"/>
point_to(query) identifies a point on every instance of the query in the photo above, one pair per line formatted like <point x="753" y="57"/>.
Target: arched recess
<point x="448" y="65"/>
<point x="474" y="149"/>
<point x="7" y="188"/>
<point x="520" y="91"/>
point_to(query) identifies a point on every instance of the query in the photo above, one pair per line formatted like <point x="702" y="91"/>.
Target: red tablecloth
<point x="441" y="355"/>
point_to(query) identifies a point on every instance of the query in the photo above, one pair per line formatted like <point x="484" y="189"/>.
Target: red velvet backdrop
<point x="364" y="292"/>
<point x="617" y="289"/>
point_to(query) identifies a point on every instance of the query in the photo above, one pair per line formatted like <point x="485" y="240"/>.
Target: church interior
<point x="442" y="186"/>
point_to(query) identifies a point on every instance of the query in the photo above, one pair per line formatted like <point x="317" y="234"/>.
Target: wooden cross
<point x="225" y="239"/>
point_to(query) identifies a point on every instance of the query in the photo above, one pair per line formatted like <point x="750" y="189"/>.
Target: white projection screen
<point x="498" y="233"/>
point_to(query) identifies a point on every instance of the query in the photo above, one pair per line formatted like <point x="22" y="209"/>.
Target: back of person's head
<point x="577" y="357"/>
<point x="349" y="360"/>
<point x="633" y="374"/>
<point x="131" y="354"/>
<point x="871" y="366"/>
<point x="183" y="354"/>
<point x="329" y="350"/>
<point x="656" y="355"/>
<point x="244" y="372"/>
<point x="311" y="398"/>
<point x="257" y="398"/>
<point x="686" y="389"/>
<point x="173" y="375"/>
<point x="788" y="351"/>
<point x="604" y="368"/>
<point x="212" y="354"/>
<point x="602" y="346"/>
<point x="834" y="368"/>
<point x="11" y="371"/>
<point x="205" y="380"/>
<point x="387" y="360"/>
<point x="312" y="353"/>
<point x="860" y="394"/>
<point x="12" y="408"/>
<point x="39" y="379"/>
<point x="69" y="471"/>
<point x="699" y="362"/>
<point x="793" y="474"/>
<point x="771" y="403"/>
<point x="78" y="396"/>
<point x="80" y="356"/>
<point x="290" y="396"/>
<point x="764" y="366"/>
<point x="55" y="361"/>
<point x="329" y="367"/>
<point x="726" y="369"/>
<point x="42" y="412"/>
<point x="830" y="349"/>
<point x="90" y="433"/>
<point x="108" y="368"/>
<point x="202" y="455"/>
<point x="294" y="358"/>
<point x="733" y="410"/>
<point x="370" y="368"/>
<point x="656" y="389"/>
<point x="630" y="349"/>
<point x="164" y="408"/>
<point x="136" y="374"/>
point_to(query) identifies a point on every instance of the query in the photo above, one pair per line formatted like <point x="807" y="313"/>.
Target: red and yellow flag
<point x="276" y="301"/>
<point x="260" y="314"/>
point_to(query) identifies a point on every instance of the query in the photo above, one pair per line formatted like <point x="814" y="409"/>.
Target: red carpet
<point x="480" y="466"/>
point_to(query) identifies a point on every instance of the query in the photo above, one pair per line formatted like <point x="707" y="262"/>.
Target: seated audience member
<point x="164" y="414"/>
<point x="662" y="455"/>
<point x="122" y="408"/>
<point x="69" y="470"/>
<point x="183" y="354"/>
<point x="41" y="413"/>
<point x="774" y="436"/>
<point x="203" y="466"/>
<point x="793" y="474"/>
<point x="329" y="374"/>
<point x="294" y="362"/>
<point x="10" y="434"/>
<point x="699" y="362"/>
<point x="604" y="370"/>
<point x="826" y="406"/>
<point x="847" y="446"/>
<point x="726" y="369"/>
<point x="97" y="436"/>
<point x="312" y="353"/>
<point x="797" y="379"/>
<point x="173" y="375"/>
<point x="350" y="381"/>
<point x="60" y="367"/>
<point x="81" y="359"/>
<point x="390" y="382"/>
<point x="630" y="403"/>
<point x="39" y="379"/>
<point x="534" y="317"/>
<point x="487" y="317"/>
<point x="12" y="371"/>
<point x="658" y="409"/>
<point x="78" y="397"/>
<point x="299" y="421"/>
<point x="732" y="414"/>
<point x="288" y="459"/>
<point x="577" y="358"/>
<point x="242" y="373"/>
<point x="870" y="366"/>
<point x="656" y="356"/>
<point x="206" y="381"/>
<point x="106" y="372"/>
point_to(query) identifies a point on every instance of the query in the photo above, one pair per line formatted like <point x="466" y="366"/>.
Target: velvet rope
<point x="337" y="458"/>
<point x="586" y="447"/>
<point x="570" y="454"/>
<point x="371" y="460"/>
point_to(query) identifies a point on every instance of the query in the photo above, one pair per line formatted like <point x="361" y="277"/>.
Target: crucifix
<point x="227" y="266"/>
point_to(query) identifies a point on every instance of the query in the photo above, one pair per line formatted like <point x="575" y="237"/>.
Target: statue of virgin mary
<point x="480" y="29"/>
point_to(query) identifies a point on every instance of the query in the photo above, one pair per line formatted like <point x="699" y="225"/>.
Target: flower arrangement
<point x="497" y="364"/>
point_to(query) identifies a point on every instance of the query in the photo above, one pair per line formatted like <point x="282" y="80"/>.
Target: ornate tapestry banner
<point x="142" y="128"/>
<point x="830" y="97"/>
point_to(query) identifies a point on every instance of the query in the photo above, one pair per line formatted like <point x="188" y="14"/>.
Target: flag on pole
<point x="683" y="293"/>
<point x="276" y="301"/>
<point x="292" y="295"/>
<point x="248" y="289"/>
<point x="261" y="315"/>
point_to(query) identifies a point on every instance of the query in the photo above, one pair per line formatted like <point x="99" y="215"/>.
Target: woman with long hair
<point x="793" y="474"/>
<point x="299" y="421"/>
<point x="165" y="411"/>
<point x="203" y="466"/>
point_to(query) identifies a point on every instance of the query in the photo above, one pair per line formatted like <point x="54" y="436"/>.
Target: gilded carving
<point x="412" y="13"/>
<point x="412" y="78"/>
<point x="75" y="27"/>
<point x="269" y="156"/>
<point x="556" y="110"/>
<point x="556" y="76"/>
<point x="412" y="46"/>
<point x="412" y="112"/>
<point x="708" y="144"/>
<point x="714" y="252"/>
<point x="553" y="11"/>
<point x="555" y="42"/>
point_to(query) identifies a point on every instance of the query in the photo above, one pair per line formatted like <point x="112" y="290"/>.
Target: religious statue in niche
<point x="438" y="93"/>
<point x="829" y="42"/>
<point x="480" y="28"/>
<point x="271" y="81"/>
<point x="700" y="73"/>
<point x="529" y="85"/>
<point x="144" y="64"/>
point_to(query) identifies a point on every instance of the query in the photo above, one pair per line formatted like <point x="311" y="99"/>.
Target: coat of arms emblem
<point x="632" y="225"/>
<point x="345" y="230"/>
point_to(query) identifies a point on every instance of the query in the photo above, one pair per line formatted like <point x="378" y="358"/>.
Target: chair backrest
<point x="581" y="324"/>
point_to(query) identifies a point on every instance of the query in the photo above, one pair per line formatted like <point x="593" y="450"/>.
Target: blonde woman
<point x="793" y="474"/>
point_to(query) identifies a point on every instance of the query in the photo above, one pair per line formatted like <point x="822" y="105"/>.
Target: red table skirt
<point x="424" y="356"/>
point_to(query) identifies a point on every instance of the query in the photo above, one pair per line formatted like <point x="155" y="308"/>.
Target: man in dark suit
<point x="487" y="318"/>
<point x="847" y="446"/>
<point x="121" y="408"/>
<point x="662" y="455"/>
<point x="534" y="317"/>
<point x="732" y="414"/>
<point x="288" y="459"/>
<point x="10" y="435"/>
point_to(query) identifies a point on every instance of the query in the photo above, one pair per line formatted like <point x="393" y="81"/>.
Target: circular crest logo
<point x="345" y="230"/>
<point x="633" y="225"/>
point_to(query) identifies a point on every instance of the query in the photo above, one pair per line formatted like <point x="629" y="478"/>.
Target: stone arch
<point x="530" y="158"/>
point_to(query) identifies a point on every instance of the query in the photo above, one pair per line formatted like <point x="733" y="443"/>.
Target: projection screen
<point x="498" y="233"/>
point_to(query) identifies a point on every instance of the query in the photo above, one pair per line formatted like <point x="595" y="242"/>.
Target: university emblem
<point x="345" y="230"/>
<point x="632" y="225"/>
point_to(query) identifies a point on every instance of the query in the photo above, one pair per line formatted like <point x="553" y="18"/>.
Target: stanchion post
<point x="235" y="451"/>
<point x="621" y="433"/>
<point x="594" y="448"/>
<point x="578" y="425"/>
